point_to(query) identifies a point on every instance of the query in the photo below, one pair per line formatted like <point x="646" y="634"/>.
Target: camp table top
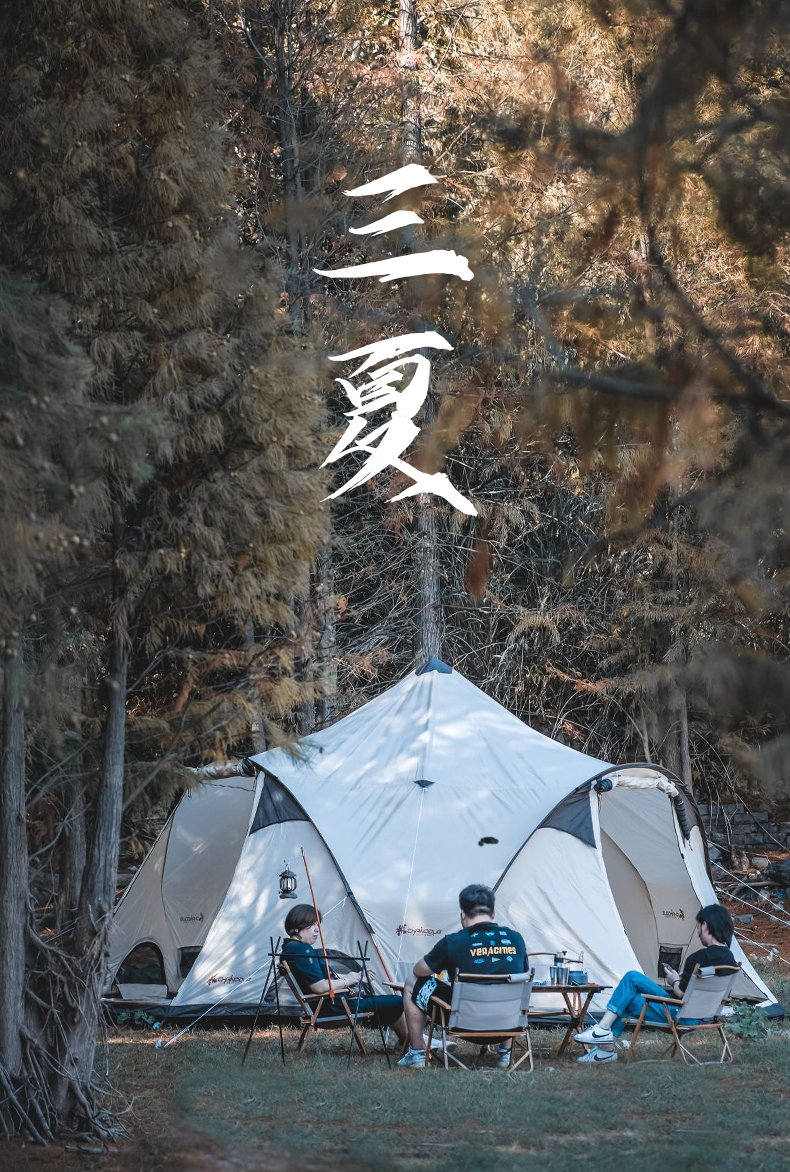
<point x="577" y="1000"/>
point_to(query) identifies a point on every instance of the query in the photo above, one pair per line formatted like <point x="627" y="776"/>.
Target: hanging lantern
<point x="287" y="884"/>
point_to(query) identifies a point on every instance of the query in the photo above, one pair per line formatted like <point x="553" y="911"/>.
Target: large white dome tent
<point x="433" y="785"/>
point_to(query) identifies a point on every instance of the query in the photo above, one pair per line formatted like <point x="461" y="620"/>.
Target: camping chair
<point x="484" y="1010"/>
<point x="312" y="1019"/>
<point x="706" y="992"/>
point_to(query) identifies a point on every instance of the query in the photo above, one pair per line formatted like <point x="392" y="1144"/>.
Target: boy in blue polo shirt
<point x="482" y="946"/>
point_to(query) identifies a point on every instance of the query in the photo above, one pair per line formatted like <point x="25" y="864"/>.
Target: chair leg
<point x="354" y="1028"/>
<point x="526" y="1056"/>
<point x="629" y="1054"/>
<point x="726" y="1052"/>
<point x="725" y="1056"/>
<point x="304" y="1037"/>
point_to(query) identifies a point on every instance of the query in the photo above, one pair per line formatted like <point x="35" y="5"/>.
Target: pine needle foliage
<point x="188" y="441"/>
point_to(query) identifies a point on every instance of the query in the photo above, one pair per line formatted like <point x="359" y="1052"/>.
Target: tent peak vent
<point x="422" y="782"/>
<point x="434" y="664"/>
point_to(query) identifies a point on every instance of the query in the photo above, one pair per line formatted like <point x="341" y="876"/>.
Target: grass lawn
<point x="196" y="1109"/>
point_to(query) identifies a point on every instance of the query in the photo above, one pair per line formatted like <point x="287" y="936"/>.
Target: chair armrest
<point x="666" y="1000"/>
<point x="437" y="1001"/>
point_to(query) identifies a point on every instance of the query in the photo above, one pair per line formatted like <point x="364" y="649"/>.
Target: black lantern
<point x="287" y="884"/>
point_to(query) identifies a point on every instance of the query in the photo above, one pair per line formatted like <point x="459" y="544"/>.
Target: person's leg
<point x="627" y="1000"/>
<point x="389" y="1008"/>
<point x="415" y="1018"/>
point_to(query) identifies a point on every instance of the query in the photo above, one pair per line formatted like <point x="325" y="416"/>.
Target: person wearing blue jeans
<point x="715" y="929"/>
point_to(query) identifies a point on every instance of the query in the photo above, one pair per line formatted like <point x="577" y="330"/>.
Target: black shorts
<point x="427" y="987"/>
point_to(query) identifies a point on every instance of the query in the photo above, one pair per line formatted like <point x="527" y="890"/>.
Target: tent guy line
<point x="770" y="902"/>
<point x="160" y="1045"/>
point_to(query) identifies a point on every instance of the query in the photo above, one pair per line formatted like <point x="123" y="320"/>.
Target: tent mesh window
<point x="143" y="966"/>
<point x="186" y="959"/>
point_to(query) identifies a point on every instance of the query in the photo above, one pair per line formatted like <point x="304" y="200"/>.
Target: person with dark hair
<point x="482" y="946"/>
<point x="715" y="930"/>
<point x="311" y="974"/>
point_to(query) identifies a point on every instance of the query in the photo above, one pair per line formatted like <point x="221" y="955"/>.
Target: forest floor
<point x="195" y="1108"/>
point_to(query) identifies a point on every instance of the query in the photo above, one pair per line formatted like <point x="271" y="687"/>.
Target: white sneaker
<point x="415" y="1058"/>
<point x="594" y="1036"/>
<point x="597" y="1056"/>
<point x="502" y="1058"/>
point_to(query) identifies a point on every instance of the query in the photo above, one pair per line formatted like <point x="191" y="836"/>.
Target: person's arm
<point x="673" y="981"/>
<point x="306" y="963"/>
<point x="434" y="961"/>
<point x="683" y="978"/>
<point x="339" y="984"/>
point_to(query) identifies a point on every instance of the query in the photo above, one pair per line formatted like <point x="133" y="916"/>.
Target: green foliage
<point x="138" y="1018"/>
<point x="749" y="1022"/>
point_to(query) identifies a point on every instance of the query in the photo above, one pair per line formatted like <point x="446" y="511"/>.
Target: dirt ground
<point x="770" y="927"/>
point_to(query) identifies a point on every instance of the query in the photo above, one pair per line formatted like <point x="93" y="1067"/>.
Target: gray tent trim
<point x="303" y="816"/>
<point x="573" y="815"/>
<point x="276" y="805"/>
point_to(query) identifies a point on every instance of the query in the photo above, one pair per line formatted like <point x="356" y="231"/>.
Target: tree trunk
<point x="408" y="46"/>
<point x="326" y="668"/>
<point x="288" y="135"/>
<point x="428" y="640"/>
<point x="73" y="848"/>
<point x="683" y="743"/>
<point x="97" y="897"/>
<point x="430" y="616"/>
<point x="257" y="729"/>
<point x="305" y="663"/>
<point x="13" y="864"/>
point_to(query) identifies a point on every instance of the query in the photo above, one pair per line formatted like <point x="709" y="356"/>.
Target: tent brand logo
<point x="678" y="915"/>
<point x="191" y="919"/>
<point x="405" y="930"/>
<point x="224" y="980"/>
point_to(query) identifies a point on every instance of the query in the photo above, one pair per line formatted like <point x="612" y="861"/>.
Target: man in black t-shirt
<point x="482" y="946"/>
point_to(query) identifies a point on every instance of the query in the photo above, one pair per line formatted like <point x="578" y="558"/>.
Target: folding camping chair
<point x="706" y="993"/>
<point x="484" y="1009"/>
<point x="312" y="1019"/>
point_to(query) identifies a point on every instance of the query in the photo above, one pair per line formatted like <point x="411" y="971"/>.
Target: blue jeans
<point x="627" y="1001"/>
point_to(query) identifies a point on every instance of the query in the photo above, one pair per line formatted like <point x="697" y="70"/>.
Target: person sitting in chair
<point x="482" y="946"/>
<point x="310" y="973"/>
<point x="715" y="929"/>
